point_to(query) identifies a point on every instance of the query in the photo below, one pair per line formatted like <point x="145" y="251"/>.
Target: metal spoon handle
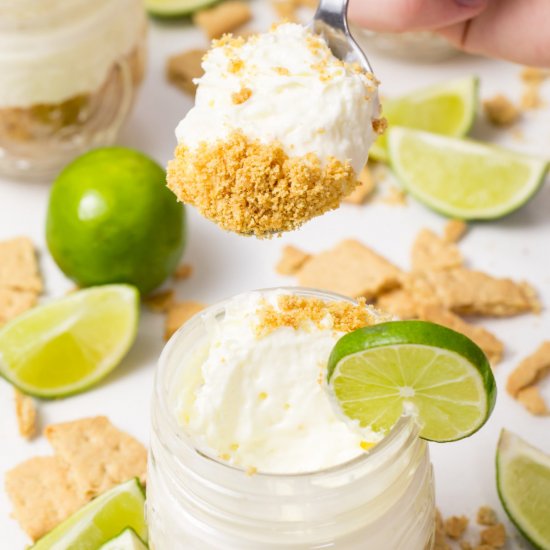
<point x="333" y="13"/>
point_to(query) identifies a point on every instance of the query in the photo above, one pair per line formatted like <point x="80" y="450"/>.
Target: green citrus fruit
<point x="111" y="219"/>
<point x="378" y="373"/>
<point x="176" y="8"/>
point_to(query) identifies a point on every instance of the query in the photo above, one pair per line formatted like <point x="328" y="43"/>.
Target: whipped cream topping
<point x="52" y="51"/>
<point x="284" y="86"/>
<point x="257" y="398"/>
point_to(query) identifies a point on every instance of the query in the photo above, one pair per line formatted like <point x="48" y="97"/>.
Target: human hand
<point x="515" y="30"/>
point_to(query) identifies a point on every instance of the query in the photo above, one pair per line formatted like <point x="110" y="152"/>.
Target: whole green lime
<point x="111" y="219"/>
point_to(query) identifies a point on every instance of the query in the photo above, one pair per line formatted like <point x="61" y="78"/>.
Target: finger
<point x="409" y="15"/>
<point x="512" y="30"/>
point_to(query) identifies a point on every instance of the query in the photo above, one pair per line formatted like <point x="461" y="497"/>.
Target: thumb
<point x="413" y="15"/>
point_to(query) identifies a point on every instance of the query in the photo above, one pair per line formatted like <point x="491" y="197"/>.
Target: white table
<point x="224" y="264"/>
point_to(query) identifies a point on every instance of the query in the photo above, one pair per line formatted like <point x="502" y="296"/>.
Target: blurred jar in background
<point x="69" y="71"/>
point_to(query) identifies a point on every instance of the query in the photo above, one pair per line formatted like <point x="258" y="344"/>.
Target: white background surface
<point x="224" y="264"/>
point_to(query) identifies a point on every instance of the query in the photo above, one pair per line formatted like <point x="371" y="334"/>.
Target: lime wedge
<point x="100" y="520"/>
<point x="462" y="178"/>
<point x="447" y="108"/>
<point x="523" y="482"/>
<point x="67" y="345"/>
<point x="175" y="8"/>
<point x="378" y="373"/>
<point x="127" y="540"/>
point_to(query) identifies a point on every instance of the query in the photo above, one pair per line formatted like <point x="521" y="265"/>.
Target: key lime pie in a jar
<point x="69" y="72"/>
<point x="295" y="419"/>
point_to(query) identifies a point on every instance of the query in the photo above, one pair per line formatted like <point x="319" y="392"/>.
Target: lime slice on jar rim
<point x="176" y="8"/>
<point x="378" y="373"/>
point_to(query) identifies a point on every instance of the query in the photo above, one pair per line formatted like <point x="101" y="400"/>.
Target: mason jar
<point x="383" y="499"/>
<point x="69" y="70"/>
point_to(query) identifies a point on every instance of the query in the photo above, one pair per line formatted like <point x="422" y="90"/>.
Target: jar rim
<point x="406" y="421"/>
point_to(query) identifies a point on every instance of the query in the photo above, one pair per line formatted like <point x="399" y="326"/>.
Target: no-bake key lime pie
<point x="279" y="132"/>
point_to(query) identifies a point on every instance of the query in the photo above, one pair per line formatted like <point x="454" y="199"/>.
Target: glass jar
<point x="69" y="72"/>
<point x="381" y="499"/>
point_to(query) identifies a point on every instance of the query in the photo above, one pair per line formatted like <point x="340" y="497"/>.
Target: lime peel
<point x="378" y="373"/>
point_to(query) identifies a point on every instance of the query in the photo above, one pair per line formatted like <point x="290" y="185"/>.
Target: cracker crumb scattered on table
<point x="532" y="400"/>
<point x="182" y="69"/>
<point x="398" y="302"/>
<point x="454" y="230"/>
<point x="351" y="269"/>
<point x="161" y="301"/>
<point x="13" y="302"/>
<point x="455" y="526"/>
<point x="292" y="260"/>
<point x="100" y="455"/>
<point x="285" y="9"/>
<point x="530" y="370"/>
<point x="500" y="111"/>
<point x="364" y="190"/>
<point x="178" y="314"/>
<point x="494" y="536"/>
<point x="25" y="411"/>
<point x="184" y="271"/>
<point x="486" y="516"/>
<point x="395" y="196"/>
<point x="223" y="18"/>
<point x="19" y="265"/>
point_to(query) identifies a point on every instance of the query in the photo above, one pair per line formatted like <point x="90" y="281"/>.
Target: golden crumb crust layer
<point x="252" y="188"/>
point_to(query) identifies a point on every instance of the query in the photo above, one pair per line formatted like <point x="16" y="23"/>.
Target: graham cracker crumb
<point x="366" y="187"/>
<point x="25" y="411"/>
<point x="533" y="401"/>
<point x="223" y="18"/>
<point x="13" y="302"/>
<point x="469" y="292"/>
<point x="160" y="302"/>
<point x="351" y="269"/>
<point x="494" y="536"/>
<point x="43" y="493"/>
<point x="486" y="516"/>
<point x="299" y="312"/>
<point x="251" y="470"/>
<point x="455" y="526"/>
<point x="488" y="342"/>
<point x="235" y="65"/>
<point x="430" y="251"/>
<point x="100" y="456"/>
<point x="379" y="125"/>
<point x="454" y="230"/>
<point x="241" y="96"/>
<point x="440" y="543"/>
<point x="292" y="259"/>
<point x="398" y="302"/>
<point x="283" y="71"/>
<point x="465" y="545"/>
<point x="532" y="78"/>
<point x="182" y="69"/>
<point x="531" y="98"/>
<point x="534" y="75"/>
<point x="19" y="266"/>
<point x="285" y="9"/>
<point x="530" y="370"/>
<point x="500" y="111"/>
<point x="395" y="196"/>
<point x="252" y="188"/>
<point x="184" y="271"/>
<point x="178" y="314"/>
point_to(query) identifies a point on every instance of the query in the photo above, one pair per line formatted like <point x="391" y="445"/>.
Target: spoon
<point x="331" y="22"/>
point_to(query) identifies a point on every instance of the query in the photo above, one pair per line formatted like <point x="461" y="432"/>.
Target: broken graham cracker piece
<point x="183" y="68"/>
<point x="440" y="542"/>
<point x="429" y="251"/>
<point x="160" y="302"/>
<point x="223" y="18"/>
<point x="486" y="516"/>
<point x="43" y="494"/>
<point x="488" y="342"/>
<point x="178" y="314"/>
<point x="100" y="456"/>
<point x="351" y="269"/>
<point x="25" y="411"/>
<point x="19" y="266"/>
<point x="455" y="526"/>
<point x="531" y="398"/>
<point x="454" y="230"/>
<point x="530" y="370"/>
<point x="13" y="302"/>
<point x="500" y="111"/>
<point x="532" y="78"/>
<point x="396" y="196"/>
<point x="494" y="536"/>
<point x="398" y="302"/>
<point x="364" y="190"/>
<point x="292" y="259"/>
<point x="470" y="292"/>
